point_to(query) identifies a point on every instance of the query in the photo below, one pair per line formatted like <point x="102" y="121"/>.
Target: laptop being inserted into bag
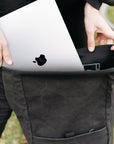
<point x="38" y="39"/>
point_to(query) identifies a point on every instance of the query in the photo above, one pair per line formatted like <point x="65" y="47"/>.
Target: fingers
<point x="102" y="40"/>
<point x="5" y="54"/>
<point x="112" y="48"/>
<point x="97" y="39"/>
<point x="0" y="55"/>
<point x="106" y="30"/>
<point x="109" y="41"/>
<point x="109" y="33"/>
<point x="91" y="41"/>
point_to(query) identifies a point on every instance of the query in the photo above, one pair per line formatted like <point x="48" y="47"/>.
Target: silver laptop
<point x="38" y="39"/>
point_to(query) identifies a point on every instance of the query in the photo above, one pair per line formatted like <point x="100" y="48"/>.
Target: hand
<point x="4" y="54"/>
<point x="95" y="23"/>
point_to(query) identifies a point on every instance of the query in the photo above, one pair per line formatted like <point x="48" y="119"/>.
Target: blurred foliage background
<point x="110" y="14"/>
<point x="13" y="133"/>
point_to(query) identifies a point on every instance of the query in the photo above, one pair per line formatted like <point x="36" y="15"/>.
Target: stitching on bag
<point x="27" y="108"/>
<point x="107" y="107"/>
<point x="18" y="80"/>
<point x="73" y="137"/>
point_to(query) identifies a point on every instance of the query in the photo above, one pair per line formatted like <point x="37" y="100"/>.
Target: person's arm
<point x="95" y="23"/>
<point x="4" y="53"/>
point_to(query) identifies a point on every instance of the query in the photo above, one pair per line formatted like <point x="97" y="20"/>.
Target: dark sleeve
<point x="95" y="3"/>
<point x="109" y="2"/>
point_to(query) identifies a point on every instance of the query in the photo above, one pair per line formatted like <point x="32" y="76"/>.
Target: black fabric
<point x="5" y="110"/>
<point x="110" y="2"/>
<point x="95" y="3"/>
<point x="73" y="14"/>
<point x="62" y="109"/>
<point x="7" y="6"/>
<point x="101" y="59"/>
<point x="17" y="101"/>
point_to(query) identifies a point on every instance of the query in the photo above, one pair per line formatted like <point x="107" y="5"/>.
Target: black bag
<point x="62" y="109"/>
<point x="101" y="59"/>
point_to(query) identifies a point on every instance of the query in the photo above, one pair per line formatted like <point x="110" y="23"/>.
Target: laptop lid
<point x="38" y="39"/>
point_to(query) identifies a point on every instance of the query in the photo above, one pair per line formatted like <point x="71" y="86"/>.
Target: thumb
<point x="6" y="55"/>
<point x="91" y="41"/>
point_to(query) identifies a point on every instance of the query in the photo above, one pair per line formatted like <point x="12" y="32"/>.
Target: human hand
<point x="95" y="23"/>
<point x="4" y="53"/>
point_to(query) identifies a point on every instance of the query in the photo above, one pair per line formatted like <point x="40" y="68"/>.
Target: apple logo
<point x="41" y="60"/>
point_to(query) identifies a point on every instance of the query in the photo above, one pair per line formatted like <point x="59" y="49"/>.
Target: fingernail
<point x="91" y="49"/>
<point x="112" y="48"/>
<point x="9" y="62"/>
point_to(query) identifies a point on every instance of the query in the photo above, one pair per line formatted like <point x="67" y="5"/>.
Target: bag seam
<point x="28" y="111"/>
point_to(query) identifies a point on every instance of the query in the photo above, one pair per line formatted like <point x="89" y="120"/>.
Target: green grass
<point x="110" y="14"/>
<point x="13" y="133"/>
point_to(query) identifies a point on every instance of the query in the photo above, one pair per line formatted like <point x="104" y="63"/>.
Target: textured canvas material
<point x="5" y="110"/>
<point x="60" y="109"/>
<point x="101" y="59"/>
